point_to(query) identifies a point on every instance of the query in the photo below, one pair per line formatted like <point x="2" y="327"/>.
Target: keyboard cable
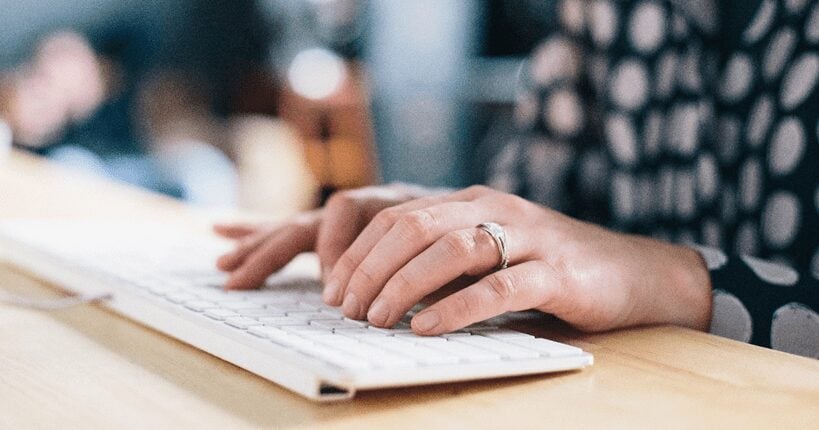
<point x="53" y="304"/>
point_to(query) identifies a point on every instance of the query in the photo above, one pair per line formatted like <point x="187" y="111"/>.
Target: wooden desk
<point x="89" y="368"/>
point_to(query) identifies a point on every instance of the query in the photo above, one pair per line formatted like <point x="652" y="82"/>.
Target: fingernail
<point x="426" y="321"/>
<point x="222" y="261"/>
<point x="379" y="312"/>
<point x="351" y="306"/>
<point x="330" y="293"/>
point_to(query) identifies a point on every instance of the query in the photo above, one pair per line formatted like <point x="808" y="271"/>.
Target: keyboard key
<point x="356" y="323"/>
<point x="289" y="340"/>
<point x="237" y="305"/>
<point x="377" y="356"/>
<point x="360" y="334"/>
<point x="333" y="324"/>
<point x="220" y="314"/>
<point x="304" y="328"/>
<point x="466" y="352"/>
<point x="456" y="334"/>
<point x="421" y="340"/>
<point x="242" y="322"/>
<point x="503" y="334"/>
<point x="332" y="311"/>
<point x="200" y="305"/>
<point x="356" y="331"/>
<point x="506" y="350"/>
<point x="339" y="358"/>
<point x="312" y="316"/>
<point x="179" y="298"/>
<point x="329" y="339"/>
<point x="211" y="295"/>
<point x="258" y="313"/>
<point x="270" y="299"/>
<point x="548" y="347"/>
<point x="265" y="331"/>
<point x="390" y="331"/>
<point x="293" y="307"/>
<point x="280" y="321"/>
<point x="419" y="353"/>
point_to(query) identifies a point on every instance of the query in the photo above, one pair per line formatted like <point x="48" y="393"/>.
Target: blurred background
<point x="266" y="105"/>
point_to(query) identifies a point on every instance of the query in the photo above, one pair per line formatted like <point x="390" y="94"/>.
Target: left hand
<point x="593" y="278"/>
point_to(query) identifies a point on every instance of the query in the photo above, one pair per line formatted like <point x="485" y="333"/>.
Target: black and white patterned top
<point x="693" y="122"/>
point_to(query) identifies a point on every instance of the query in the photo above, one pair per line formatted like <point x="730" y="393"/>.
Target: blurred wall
<point x="417" y="52"/>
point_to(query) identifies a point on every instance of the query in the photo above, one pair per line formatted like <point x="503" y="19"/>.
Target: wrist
<point x="692" y="283"/>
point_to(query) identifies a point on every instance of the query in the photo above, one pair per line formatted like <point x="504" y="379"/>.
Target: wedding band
<point x="499" y="236"/>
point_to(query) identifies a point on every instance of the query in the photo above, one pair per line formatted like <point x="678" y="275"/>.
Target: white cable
<point x="52" y="304"/>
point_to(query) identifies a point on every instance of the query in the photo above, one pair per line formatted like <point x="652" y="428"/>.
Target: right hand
<point x="265" y="248"/>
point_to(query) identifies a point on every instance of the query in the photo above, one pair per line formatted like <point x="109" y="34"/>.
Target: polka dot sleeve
<point x="764" y="303"/>
<point x="691" y="122"/>
<point x="555" y="156"/>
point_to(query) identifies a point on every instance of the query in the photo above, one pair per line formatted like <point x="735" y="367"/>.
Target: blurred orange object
<point x="337" y="132"/>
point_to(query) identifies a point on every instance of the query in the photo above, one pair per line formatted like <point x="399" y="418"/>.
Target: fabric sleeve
<point x="553" y="156"/>
<point x="763" y="302"/>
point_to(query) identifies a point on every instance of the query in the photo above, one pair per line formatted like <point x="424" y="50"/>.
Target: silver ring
<point x="499" y="236"/>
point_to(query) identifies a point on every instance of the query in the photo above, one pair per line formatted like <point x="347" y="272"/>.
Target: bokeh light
<point x="316" y="73"/>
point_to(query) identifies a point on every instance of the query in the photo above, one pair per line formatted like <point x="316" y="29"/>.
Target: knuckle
<point x="340" y="199"/>
<point x="502" y="285"/>
<point x="303" y="220"/>
<point x="468" y="303"/>
<point x="478" y="190"/>
<point x="416" y="224"/>
<point x="515" y="203"/>
<point x="459" y="243"/>
<point x="387" y="217"/>
<point x="366" y="273"/>
<point x="346" y="263"/>
<point x="402" y="280"/>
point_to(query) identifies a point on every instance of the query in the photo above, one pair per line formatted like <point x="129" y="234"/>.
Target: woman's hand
<point x="386" y="257"/>
<point x="263" y="249"/>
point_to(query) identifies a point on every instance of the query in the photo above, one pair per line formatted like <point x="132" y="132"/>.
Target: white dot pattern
<point x="731" y="319"/>
<point x="554" y="60"/>
<point x="795" y="329"/>
<point x="772" y="272"/>
<point x="779" y="51"/>
<point x="694" y="142"/>
<point x="800" y="80"/>
<point x="737" y="77"/>
<point x="750" y="184"/>
<point x="780" y="220"/>
<point x="647" y="27"/>
<point x="604" y="22"/>
<point x="761" y="23"/>
<point x="622" y="140"/>
<point x="812" y="26"/>
<point x="787" y="146"/>
<point x="759" y="120"/>
<point x="630" y="85"/>
<point x="564" y="113"/>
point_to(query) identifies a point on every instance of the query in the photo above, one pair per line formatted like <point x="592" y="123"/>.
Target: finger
<point x="341" y="221"/>
<point x="463" y="252"/>
<point x="346" y="264"/>
<point x="233" y="259"/>
<point x="235" y="230"/>
<point x="413" y="233"/>
<point x="525" y="286"/>
<point x="275" y="252"/>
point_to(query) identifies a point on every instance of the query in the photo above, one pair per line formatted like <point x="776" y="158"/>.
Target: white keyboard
<point x="166" y="279"/>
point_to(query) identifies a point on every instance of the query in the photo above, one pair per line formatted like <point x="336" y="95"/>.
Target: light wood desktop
<point x="89" y="368"/>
